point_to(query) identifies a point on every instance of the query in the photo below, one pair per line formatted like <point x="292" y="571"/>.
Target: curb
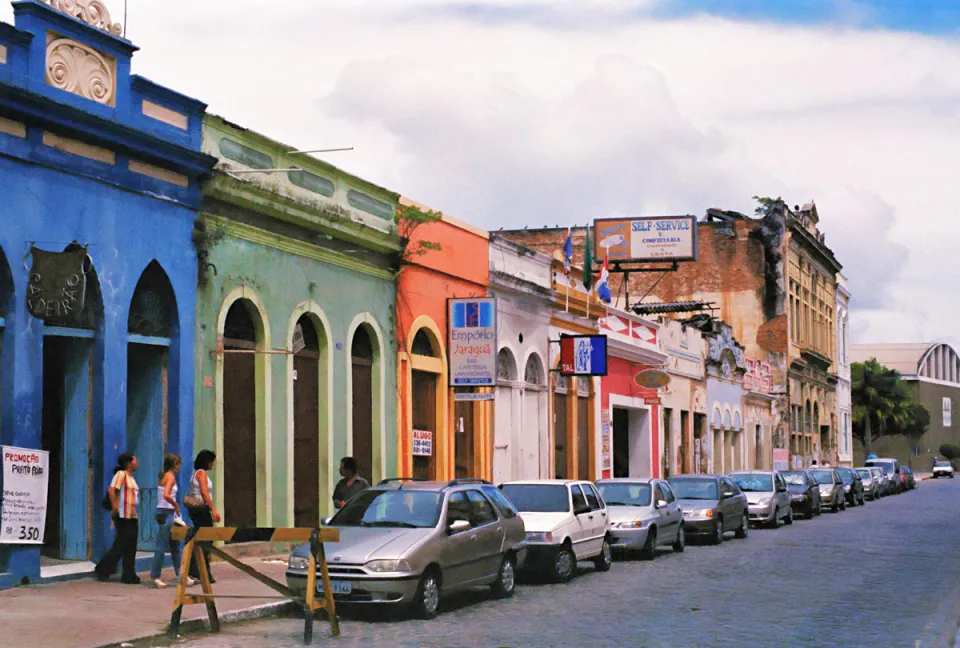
<point x="193" y="626"/>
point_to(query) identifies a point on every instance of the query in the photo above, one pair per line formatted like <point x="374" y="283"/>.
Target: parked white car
<point x="942" y="469"/>
<point x="566" y="522"/>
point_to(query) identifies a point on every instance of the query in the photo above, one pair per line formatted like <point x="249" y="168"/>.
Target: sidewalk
<point x="88" y="613"/>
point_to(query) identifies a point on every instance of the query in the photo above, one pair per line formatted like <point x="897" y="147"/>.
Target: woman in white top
<point x="199" y="502"/>
<point x="168" y="513"/>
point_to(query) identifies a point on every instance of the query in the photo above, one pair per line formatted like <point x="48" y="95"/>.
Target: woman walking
<point x="199" y="502"/>
<point x="168" y="514"/>
<point x="124" y="498"/>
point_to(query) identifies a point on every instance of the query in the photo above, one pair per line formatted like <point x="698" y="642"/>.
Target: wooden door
<point x="464" y="440"/>
<point x="424" y="406"/>
<point x="306" y="439"/>
<point x="239" y="462"/>
<point x="363" y="416"/>
<point x="583" y="438"/>
<point x="560" y="436"/>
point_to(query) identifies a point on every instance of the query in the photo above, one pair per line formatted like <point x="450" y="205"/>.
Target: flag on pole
<point x="588" y="265"/>
<point x="567" y="253"/>
<point x="603" y="286"/>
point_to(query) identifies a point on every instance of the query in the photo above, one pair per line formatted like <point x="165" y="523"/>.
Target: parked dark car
<point x="804" y="492"/>
<point x="909" y="479"/>
<point x="712" y="505"/>
<point x="852" y="486"/>
<point x="831" y="488"/>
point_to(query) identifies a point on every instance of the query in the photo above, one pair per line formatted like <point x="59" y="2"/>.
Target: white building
<point x="844" y="431"/>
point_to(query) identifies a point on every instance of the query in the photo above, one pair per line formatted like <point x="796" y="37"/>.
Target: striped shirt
<point x="128" y="495"/>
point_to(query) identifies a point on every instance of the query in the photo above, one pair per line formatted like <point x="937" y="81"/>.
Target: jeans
<point x="124" y="548"/>
<point x="201" y="517"/>
<point x="165" y="543"/>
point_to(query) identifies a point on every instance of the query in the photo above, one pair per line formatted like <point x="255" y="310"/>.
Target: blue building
<point x="100" y="176"/>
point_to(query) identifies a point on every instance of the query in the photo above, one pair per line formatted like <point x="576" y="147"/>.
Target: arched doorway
<point x="6" y="330"/>
<point x="70" y="367"/>
<point x="151" y="326"/>
<point x="534" y="435"/>
<point x="362" y="379"/>
<point x="507" y="457"/>
<point x="242" y="338"/>
<point x="561" y="432"/>
<point x="426" y="408"/>
<point x="307" y="400"/>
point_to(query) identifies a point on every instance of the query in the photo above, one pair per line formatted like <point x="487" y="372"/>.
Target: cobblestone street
<point x="882" y="575"/>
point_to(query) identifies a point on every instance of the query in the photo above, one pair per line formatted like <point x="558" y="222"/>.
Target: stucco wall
<point x="282" y="282"/>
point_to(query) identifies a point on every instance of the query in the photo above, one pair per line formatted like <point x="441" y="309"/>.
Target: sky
<point x="511" y="113"/>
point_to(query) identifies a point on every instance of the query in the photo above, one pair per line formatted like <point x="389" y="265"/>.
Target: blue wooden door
<point x="146" y="415"/>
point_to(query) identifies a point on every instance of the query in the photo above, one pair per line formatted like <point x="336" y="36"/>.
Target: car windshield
<point x="823" y="476"/>
<point x="694" y="489"/>
<point x="885" y="466"/>
<point x="538" y="498"/>
<point x="943" y="464"/>
<point x="795" y="478"/>
<point x="754" y="482"/>
<point x="846" y="475"/>
<point x="865" y="474"/>
<point x="615" y="494"/>
<point x="391" y="508"/>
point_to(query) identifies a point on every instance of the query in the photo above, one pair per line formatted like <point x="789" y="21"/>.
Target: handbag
<point x="193" y="502"/>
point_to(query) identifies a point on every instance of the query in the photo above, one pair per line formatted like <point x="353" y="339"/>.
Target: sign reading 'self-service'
<point x="473" y="341"/>
<point x="657" y="238"/>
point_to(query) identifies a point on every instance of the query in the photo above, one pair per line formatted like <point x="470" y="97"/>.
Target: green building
<point x="295" y="356"/>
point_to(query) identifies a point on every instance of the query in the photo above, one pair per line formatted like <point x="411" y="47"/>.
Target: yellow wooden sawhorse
<point x="317" y="558"/>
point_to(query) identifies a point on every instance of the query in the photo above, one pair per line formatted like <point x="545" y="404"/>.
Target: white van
<point x="891" y="467"/>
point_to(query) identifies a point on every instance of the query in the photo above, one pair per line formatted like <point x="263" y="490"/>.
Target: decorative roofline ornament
<point x="92" y="12"/>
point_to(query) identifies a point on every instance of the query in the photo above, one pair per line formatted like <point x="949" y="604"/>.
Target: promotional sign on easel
<point x="23" y="514"/>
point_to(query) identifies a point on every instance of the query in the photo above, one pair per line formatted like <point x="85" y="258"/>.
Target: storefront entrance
<point x="306" y="426"/>
<point x="464" y="451"/>
<point x="631" y="443"/>
<point x="424" y="393"/>
<point x="361" y="354"/>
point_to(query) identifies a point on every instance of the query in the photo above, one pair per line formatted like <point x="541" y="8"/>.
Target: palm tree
<point x="875" y="396"/>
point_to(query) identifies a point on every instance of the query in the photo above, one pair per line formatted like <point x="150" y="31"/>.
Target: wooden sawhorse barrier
<point x="317" y="558"/>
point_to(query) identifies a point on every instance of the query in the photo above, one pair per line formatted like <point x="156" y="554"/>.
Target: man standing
<point x="350" y="485"/>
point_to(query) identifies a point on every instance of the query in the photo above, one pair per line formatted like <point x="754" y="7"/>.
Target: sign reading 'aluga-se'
<point x="583" y="355"/>
<point x="649" y="239"/>
<point x="473" y="341"/>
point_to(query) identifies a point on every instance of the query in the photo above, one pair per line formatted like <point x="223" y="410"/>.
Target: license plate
<point x="338" y="587"/>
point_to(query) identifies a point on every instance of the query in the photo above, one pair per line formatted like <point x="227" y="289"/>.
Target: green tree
<point x="875" y="395"/>
<point x="410" y="218"/>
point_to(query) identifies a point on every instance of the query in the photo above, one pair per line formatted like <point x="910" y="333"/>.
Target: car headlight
<point x="846" y="489"/>
<point x="633" y="524"/>
<point x="539" y="536"/>
<point x="388" y="566"/>
<point x="764" y="502"/>
<point x="702" y="513"/>
<point x="298" y="562"/>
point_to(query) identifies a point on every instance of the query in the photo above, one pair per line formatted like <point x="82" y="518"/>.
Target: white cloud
<point x="530" y="122"/>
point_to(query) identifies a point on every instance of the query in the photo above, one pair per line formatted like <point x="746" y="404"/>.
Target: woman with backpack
<point x="124" y="498"/>
<point x="199" y="503"/>
<point x="168" y="514"/>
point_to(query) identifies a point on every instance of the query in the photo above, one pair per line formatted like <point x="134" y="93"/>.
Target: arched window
<point x="533" y="372"/>
<point x="506" y="365"/>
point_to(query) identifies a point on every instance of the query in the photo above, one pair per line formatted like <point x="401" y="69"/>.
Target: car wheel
<point x="717" y="536"/>
<point x="775" y="522"/>
<point x="427" y="603"/>
<point x="506" y="579"/>
<point x="863" y="500"/>
<point x="649" y="551"/>
<point x="789" y="518"/>
<point x="819" y="507"/>
<point x="843" y="503"/>
<point x="744" y="526"/>
<point x="681" y="542"/>
<point x="604" y="561"/>
<point x="564" y="564"/>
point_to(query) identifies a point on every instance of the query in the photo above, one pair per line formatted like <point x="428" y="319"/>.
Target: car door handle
<point x="499" y="529"/>
<point x="590" y="517"/>
<point x="474" y="538"/>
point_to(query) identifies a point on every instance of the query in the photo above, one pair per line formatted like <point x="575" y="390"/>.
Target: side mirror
<point x="458" y="526"/>
<point x="726" y="494"/>
<point x="661" y="503"/>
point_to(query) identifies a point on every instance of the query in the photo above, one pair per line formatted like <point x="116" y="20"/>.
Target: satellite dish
<point x="611" y="241"/>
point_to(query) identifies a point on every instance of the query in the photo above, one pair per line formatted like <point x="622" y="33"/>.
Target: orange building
<point x="453" y="438"/>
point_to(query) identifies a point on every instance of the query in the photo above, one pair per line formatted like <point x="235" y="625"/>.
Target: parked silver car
<point x="712" y="505"/>
<point x="882" y="480"/>
<point x="644" y="515"/>
<point x="831" y="488"/>
<point x="407" y="542"/>
<point x="871" y="485"/>
<point x="767" y="496"/>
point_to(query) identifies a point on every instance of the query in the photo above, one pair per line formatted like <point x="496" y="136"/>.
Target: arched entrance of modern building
<point x="243" y="393"/>
<point x="70" y="367"/>
<point x="308" y="402"/>
<point x="361" y="386"/>
<point x="151" y="327"/>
